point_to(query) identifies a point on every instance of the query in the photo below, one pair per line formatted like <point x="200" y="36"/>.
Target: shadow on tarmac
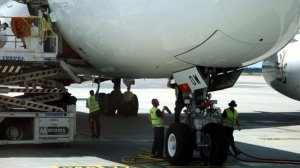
<point x="263" y="119"/>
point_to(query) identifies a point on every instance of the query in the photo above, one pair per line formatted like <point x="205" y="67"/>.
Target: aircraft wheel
<point x="179" y="144"/>
<point x="216" y="150"/>
<point x="114" y="101"/>
<point x="134" y="106"/>
<point x="103" y="103"/>
<point x="14" y="132"/>
<point x="123" y="109"/>
<point x="129" y="108"/>
<point x="73" y="100"/>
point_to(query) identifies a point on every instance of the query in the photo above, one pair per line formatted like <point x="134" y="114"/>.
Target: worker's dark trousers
<point x="46" y="46"/>
<point x="229" y="137"/>
<point x="158" y="143"/>
<point x="179" y="105"/>
<point x="94" y="119"/>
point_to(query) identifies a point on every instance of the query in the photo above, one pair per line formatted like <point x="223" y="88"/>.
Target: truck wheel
<point x="179" y="144"/>
<point x="14" y="132"/>
<point x="216" y="150"/>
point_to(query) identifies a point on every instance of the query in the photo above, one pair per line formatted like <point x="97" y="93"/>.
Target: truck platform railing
<point x="32" y="37"/>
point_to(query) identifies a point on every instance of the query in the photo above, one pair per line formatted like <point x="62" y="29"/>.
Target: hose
<point x="144" y="157"/>
<point x="253" y="159"/>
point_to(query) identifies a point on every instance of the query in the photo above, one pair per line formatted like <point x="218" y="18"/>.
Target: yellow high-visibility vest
<point x="156" y="121"/>
<point x="231" y="118"/>
<point x="93" y="104"/>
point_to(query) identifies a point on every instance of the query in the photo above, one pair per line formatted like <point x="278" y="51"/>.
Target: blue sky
<point x="257" y="65"/>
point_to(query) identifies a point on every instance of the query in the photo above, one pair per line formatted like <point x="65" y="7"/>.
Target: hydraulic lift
<point x="35" y="107"/>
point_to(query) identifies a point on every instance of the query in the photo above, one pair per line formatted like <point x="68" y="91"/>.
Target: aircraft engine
<point x="3" y="39"/>
<point x="281" y="70"/>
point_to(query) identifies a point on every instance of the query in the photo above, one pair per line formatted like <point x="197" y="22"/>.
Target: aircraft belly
<point x="270" y="28"/>
<point x="271" y="20"/>
<point x="218" y="51"/>
<point x="159" y="37"/>
<point x="124" y="28"/>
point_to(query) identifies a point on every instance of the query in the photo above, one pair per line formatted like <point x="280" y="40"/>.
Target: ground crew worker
<point x="229" y="120"/>
<point x="157" y="119"/>
<point x="94" y="115"/>
<point x="47" y="29"/>
<point x="179" y="103"/>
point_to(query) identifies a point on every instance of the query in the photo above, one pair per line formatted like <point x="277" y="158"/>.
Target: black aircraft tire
<point x="103" y="103"/>
<point x="135" y="106"/>
<point x="130" y="108"/>
<point x="114" y="102"/>
<point x="179" y="144"/>
<point x="217" y="151"/>
<point x="123" y="110"/>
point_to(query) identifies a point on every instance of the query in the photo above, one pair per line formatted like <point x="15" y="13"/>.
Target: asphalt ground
<point x="270" y="129"/>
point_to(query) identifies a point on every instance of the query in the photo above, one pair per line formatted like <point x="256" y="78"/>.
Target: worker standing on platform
<point x="47" y="29"/>
<point x="229" y="120"/>
<point x="157" y="119"/>
<point x="179" y="103"/>
<point x="94" y="115"/>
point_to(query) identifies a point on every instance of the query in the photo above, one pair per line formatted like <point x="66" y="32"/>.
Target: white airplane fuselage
<point x="12" y="8"/>
<point x="153" y="39"/>
<point x="281" y="71"/>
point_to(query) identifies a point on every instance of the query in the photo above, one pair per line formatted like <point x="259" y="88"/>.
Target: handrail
<point x="43" y="25"/>
<point x="31" y="26"/>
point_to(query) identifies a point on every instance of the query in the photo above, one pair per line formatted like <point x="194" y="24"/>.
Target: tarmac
<point x="270" y="129"/>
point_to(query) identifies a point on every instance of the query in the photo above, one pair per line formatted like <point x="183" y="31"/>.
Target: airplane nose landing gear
<point x="203" y="131"/>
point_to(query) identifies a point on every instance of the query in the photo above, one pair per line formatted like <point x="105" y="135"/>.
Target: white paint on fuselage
<point x="11" y="8"/>
<point x="293" y="69"/>
<point x="281" y="71"/>
<point x="3" y="2"/>
<point x="140" y="38"/>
